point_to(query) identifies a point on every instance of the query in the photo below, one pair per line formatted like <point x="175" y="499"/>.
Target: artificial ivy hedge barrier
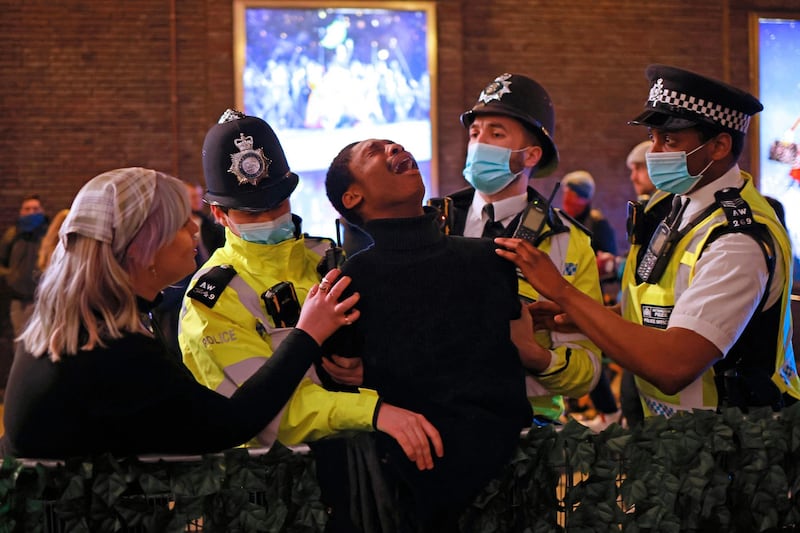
<point x="694" y="472"/>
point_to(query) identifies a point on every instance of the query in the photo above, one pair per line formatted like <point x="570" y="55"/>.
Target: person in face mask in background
<point x="705" y="293"/>
<point x="19" y="252"/>
<point x="246" y="298"/>
<point x="510" y="141"/>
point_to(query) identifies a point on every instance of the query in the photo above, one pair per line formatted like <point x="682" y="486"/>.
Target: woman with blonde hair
<point x="90" y="374"/>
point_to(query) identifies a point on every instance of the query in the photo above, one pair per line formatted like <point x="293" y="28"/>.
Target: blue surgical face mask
<point x="488" y="167"/>
<point x="269" y="232"/>
<point x="30" y="222"/>
<point x="669" y="172"/>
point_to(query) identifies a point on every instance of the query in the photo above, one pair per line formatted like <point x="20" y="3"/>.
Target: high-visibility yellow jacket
<point x="576" y="361"/>
<point x="644" y="300"/>
<point x="225" y="334"/>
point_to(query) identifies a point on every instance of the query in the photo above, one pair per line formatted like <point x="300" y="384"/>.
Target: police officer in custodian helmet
<point x="510" y="140"/>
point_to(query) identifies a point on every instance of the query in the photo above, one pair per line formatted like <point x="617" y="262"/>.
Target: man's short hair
<point x="33" y="196"/>
<point x="338" y="180"/>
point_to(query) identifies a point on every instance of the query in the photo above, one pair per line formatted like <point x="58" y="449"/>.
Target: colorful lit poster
<point x="326" y="74"/>
<point x="779" y="122"/>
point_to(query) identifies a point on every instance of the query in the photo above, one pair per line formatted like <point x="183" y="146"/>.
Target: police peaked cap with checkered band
<point x="522" y="98"/>
<point x="244" y="164"/>
<point x="682" y="99"/>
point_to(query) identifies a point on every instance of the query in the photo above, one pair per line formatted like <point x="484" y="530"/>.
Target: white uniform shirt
<point x="729" y="277"/>
<point x="504" y="211"/>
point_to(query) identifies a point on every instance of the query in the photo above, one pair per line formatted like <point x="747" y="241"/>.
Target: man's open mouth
<point x="404" y="162"/>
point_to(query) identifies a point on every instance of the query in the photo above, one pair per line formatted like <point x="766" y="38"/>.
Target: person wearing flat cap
<point x="243" y="302"/>
<point x="705" y="306"/>
<point x="92" y="375"/>
<point x="637" y="164"/>
<point x="510" y="140"/>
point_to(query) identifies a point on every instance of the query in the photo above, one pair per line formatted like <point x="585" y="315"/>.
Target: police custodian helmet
<point x="524" y="99"/>
<point x="681" y="99"/>
<point x="244" y="164"/>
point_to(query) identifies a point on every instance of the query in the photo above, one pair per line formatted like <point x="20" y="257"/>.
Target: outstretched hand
<point x="536" y="266"/>
<point x="551" y="316"/>
<point x="322" y="313"/>
<point x="413" y="433"/>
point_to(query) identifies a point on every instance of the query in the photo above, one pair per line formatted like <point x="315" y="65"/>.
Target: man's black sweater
<point x="434" y="338"/>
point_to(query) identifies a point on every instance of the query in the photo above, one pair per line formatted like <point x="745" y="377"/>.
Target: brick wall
<point x="96" y="84"/>
<point x="92" y="85"/>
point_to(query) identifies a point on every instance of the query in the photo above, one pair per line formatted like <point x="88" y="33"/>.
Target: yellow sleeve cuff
<point x="313" y="413"/>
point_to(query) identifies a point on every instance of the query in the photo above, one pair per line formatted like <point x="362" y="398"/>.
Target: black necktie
<point x="491" y="229"/>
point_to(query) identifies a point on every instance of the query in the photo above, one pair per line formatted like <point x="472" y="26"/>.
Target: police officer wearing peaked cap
<point x="681" y="99"/>
<point x="706" y="300"/>
<point x="511" y="127"/>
